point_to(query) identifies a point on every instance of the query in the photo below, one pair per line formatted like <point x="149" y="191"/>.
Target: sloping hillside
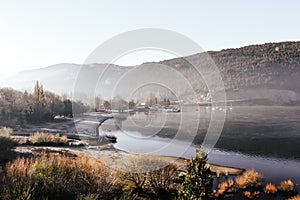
<point x="258" y="74"/>
<point x="268" y="73"/>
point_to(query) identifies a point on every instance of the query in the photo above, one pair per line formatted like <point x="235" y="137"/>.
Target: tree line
<point x="20" y="108"/>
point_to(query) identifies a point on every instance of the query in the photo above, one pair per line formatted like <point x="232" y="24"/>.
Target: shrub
<point x="198" y="181"/>
<point x="128" y="196"/>
<point x="57" y="177"/>
<point x="5" y="132"/>
<point x="295" y="198"/>
<point x="88" y="197"/>
<point x="42" y="138"/>
<point x="270" y="189"/>
<point x="149" y="175"/>
<point x="6" y="143"/>
<point x="162" y="181"/>
<point x="135" y="173"/>
<point x="225" y="187"/>
<point x="250" y="194"/>
<point x="249" y="179"/>
<point x="15" y="190"/>
<point x="286" y="186"/>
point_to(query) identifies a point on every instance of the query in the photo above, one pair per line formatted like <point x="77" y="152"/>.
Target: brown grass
<point x="270" y="189"/>
<point x="39" y="138"/>
<point x="149" y="175"/>
<point x="5" y="132"/>
<point x="249" y="179"/>
<point x="286" y="186"/>
<point x="59" y="177"/>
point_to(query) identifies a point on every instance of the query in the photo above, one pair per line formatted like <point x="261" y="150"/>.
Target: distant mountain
<point x="258" y="74"/>
<point x="58" y="78"/>
<point x="262" y="74"/>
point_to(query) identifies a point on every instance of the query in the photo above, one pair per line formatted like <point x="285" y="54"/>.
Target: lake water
<point x="266" y="138"/>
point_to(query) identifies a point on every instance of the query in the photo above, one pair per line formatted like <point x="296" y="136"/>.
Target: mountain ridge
<point x="267" y="72"/>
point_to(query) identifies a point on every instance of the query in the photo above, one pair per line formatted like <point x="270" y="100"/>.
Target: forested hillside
<point x="257" y="74"/>
<point x="258" y="71"/>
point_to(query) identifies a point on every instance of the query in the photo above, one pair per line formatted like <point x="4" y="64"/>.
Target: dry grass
<point x="161" y="181"/>
<point x="149" y="175"/>
<point x="295" y="198"/>
<point x="286" y="186"/>
<point x="57" y="177"/>
<point x="270" y="189"/>
<point x="40" y="138"/>
<point x="249" y="179"/>
<point x="5" y="132"/>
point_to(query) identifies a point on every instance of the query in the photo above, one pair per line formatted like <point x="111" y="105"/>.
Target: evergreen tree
<point x="38" y="93"/>
<point x="198" y="182"/>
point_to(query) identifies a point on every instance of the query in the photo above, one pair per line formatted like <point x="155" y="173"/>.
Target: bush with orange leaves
<point x="58" y="177"/>
<point x="250" y="194"/>
<point x="295" y="198"/>
<point x="225" y="186"/>
<point x="270" y="189"/>
<point x="286" y="186"/>
<point x="249" y="179"/>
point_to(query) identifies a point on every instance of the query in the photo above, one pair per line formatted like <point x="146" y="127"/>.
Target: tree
<point x="198" y="182"/>
<point x="67" y="108"/>
<point x="97" y="103"/>
<point x="38" y="92"/>
<point x="106" y="105"/>
<point x="131" y="104"/>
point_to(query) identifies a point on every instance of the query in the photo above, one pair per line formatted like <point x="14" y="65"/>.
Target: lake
<point x="266" y="138"/>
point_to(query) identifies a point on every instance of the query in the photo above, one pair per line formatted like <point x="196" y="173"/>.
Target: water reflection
<point x="264" y="138"/>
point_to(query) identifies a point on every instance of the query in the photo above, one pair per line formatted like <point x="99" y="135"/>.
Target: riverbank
<point x="116" y="158"/>
<point x="275" y="169"/>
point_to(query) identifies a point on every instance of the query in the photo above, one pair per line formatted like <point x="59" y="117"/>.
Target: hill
<point x="258" y="74"/>
<point x="263" y="74"/>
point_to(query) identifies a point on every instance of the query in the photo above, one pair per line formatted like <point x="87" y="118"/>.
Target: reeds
<point x="46" y="138"/>
<point x="58" y="176"/>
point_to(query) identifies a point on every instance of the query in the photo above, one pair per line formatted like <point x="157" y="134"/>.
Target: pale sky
<point x="36" y="34"/>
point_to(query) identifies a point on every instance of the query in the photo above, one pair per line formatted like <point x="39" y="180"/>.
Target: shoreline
<point x="110" y="155"/>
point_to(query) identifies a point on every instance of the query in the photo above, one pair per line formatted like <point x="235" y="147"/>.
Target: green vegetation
<point x="20" y="108"/>
<point x="198" y="180"/>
